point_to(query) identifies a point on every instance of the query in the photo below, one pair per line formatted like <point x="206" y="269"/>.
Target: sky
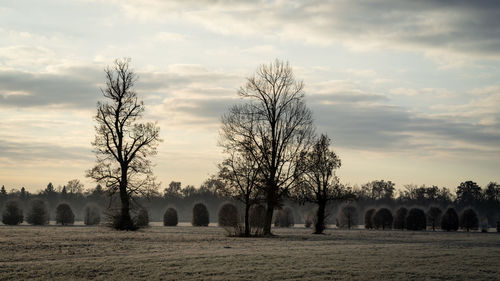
<point x="408" y="91"/>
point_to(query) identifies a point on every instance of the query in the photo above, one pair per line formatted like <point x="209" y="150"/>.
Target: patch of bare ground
<point x="200" y="253"/>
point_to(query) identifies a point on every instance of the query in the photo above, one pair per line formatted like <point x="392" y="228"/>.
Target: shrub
<point x="257" y="219"/>
<point x="92" y="215"/>
<point x="309" y="219"/>
<point x="141" y="218"/>
<point x="200" y="215"/>
<point x="284" y="218"/>
<point x="114" y="219"/>
<point x="469" y="220"/>
<point x="449" y="221"/>
<point x="38" y="213"/>
<point x="434" y="217"/>
<point x="228" y="215"/>
<point x="368" y="218"/>
<point x="12" y="214"/>
<point x="382" y="219"/>
<point x="348" y="217"/>
<point x="64" y="214"/>
<point x="416" y="219"/>
<point x="170" y="217"/>
<point x="400" y="219"/>
<point x="498" y="225"/>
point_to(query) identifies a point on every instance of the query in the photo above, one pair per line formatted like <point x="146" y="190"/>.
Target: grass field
<point x="200" y="253"/>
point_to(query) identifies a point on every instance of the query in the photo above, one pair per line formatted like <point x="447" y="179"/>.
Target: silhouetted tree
<point x="434" y="216"/>
<point x="64" y="214"/>
<point x="378" y="190"/>
<point x="273" y="127"/>
<point x="449" y="221"/>
<point x="173" y="190"/>
<point x="188" y="191"/>
<point x="492" y="192"/>
<point x="200" y="215"/>
<point x="382" y="219"/>
<point x="170" y="217"/>
<point x="416" y="219"/>
<point x="23" y="195"/>
<point x="469" y="220"/>
<point x="122" y="144"/>
<point x="317" y="182"/>
<point x="400" y="219"/>
<point x="12" y="214"/>
<point x="74" y="187"/>
<point x="38" y="213"/>
<point x="228" y="215"/>
<point x="348" y="216"/>
<point x="240" y="174"/>
<point x="284" y="217"/>
<point x="468" y="193"/>
<point x="368" y="218"/>
<point x="92" y="214"/>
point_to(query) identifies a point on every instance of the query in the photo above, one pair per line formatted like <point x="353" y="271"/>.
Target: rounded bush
<point x="368" y="218"/>
<point x="469" y="220"/>
<point x="228" y="215"/>
<point x="201" y="216"/>
<point x="257" y="216"/>
<point x="64" y="214"/>
<point x="382" y="219"/>
<point x="92" y="215"/>
<point x="170" y="217"/>
<point x="400" y="218"/>
<point x="141" y="219"/>
<point x="449" y="221"/>
<point x="38" y="213"/>
<point x="416" y="219"/>
<point x="348" y="217"/>
<point x="434" y="217"/>
<point x="284" y="218"/>
<point x="309" y="220"/>
<point x="12" y="214"/>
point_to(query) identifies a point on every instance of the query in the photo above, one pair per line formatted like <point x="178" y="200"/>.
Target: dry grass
<point x="200" y="253"/>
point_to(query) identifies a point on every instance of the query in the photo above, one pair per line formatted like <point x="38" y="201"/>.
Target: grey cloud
<point x="29" y="151"/>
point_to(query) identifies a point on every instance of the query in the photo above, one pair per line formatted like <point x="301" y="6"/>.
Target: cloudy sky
<point x="409" y="91"/>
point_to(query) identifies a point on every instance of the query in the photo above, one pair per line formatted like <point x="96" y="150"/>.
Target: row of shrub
<point x="417" y="219"/>
<point x="38" y="214"/>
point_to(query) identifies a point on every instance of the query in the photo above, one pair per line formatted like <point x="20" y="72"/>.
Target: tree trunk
<point x="125" y="221"/>
<point x="247" y="223"/>
<point x="269" y="218"/>
<point x="319" y="226"/>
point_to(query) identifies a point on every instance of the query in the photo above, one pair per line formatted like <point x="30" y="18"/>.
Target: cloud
<point x="455" y="28"/>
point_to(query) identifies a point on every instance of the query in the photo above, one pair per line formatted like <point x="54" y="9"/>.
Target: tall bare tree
<point x="122" y="144"/>
<point x="240" y="174"/>
<point x="318" y="182"/>
<point x="273" y="126"/>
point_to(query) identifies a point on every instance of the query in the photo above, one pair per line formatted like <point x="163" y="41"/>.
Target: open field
<point x="200" y="253"/>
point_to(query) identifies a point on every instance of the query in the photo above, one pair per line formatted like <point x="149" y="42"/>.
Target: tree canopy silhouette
<point x="122" y="144"/>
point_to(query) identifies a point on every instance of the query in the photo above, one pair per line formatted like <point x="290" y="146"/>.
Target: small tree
<point x="92" y="215"/>
<point x="382" y="219"/>
<point x="348" y="216"/>
<point x="64" y="214"/>
<point x="200" y="215"/>
<point x="284" y="217"/>
<point x="257" y="219"/>
<point x="449" y="221"/>
<point x="469" y="220"/>
<point x="38" y="213"/>
<point x="400" y="219"/>
<point x="170" y="217"/>
<point x="12" y="214"/>
<point x="434" y="216"/>
<point x="368" y="218"/>
<point x="416" y="219"/>
<point x="228" y="215"/>
<point x="141" y="219"/>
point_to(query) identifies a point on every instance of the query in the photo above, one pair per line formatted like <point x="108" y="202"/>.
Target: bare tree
<point x="240" y="174"/>
<point x="318" y="183"/>
<point x="273" y="127"/>
<point x="122" y="144"/>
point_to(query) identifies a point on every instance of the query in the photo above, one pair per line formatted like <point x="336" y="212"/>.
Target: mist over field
<point x="239" y="140"/>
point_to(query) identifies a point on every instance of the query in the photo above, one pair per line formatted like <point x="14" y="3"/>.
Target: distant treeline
<point x="485" y="201"/>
